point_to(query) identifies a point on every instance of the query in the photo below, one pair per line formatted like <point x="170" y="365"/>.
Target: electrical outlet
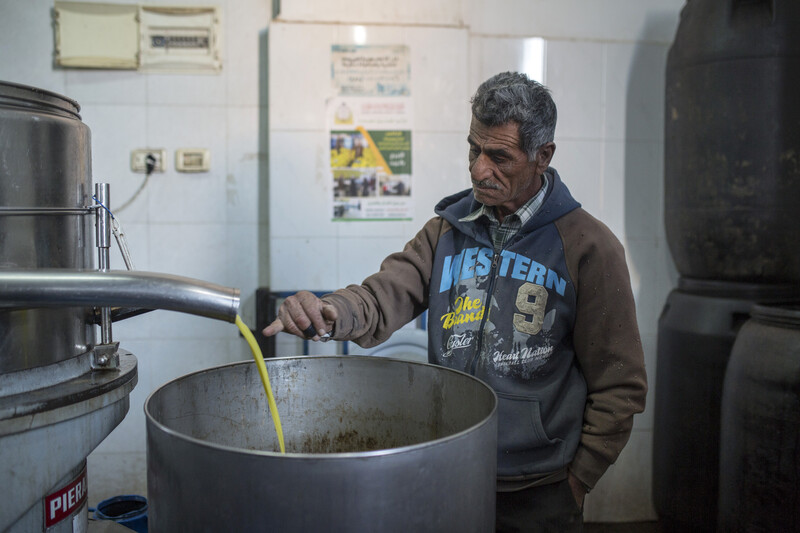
<point x="139" y="159"/>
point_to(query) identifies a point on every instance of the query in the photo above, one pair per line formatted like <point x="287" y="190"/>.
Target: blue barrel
<point x="128" y="510"/>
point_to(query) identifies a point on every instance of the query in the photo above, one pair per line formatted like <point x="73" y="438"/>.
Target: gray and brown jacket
<point x="548" y="322"/>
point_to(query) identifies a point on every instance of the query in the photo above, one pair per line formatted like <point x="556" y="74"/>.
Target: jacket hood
<point x="557" y="203"/>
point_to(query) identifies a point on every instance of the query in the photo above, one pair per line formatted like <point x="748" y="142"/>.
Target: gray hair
<point x="513" y="97"/>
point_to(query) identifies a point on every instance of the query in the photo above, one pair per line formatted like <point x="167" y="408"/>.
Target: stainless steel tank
<point x="51" y="416"/>
<point x="372" y="444"/>
<point x="45" y="168"/>
<point x="56" y="406"/>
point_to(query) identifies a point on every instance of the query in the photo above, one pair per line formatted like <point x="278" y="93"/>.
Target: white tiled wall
<point x="611" y="20"/>
<point x="429" y="12"/>
<point x="604" y="63"/>
<point x="308" y="250"/>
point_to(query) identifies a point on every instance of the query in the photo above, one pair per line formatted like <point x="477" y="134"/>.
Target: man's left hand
<point x="578" y="489"/>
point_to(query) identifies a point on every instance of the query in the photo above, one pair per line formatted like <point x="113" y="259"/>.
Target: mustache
<point x="485" y="184"/>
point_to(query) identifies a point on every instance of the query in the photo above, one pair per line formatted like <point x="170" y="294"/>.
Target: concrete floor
<point x="623" y="527"/>
<point x="106" y="526"/>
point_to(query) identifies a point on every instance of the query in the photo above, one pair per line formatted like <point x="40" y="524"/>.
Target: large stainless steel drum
<point x="53" y="409"/>
<point x="372" y="444"/>
<point x="45" y="166"/>
<point x="62" y="392"/>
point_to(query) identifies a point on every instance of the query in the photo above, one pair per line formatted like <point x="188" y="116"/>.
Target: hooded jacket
<point x="548" y="322"/>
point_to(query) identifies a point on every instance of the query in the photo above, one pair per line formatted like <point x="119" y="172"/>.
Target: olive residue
<point x="346" y="442"/>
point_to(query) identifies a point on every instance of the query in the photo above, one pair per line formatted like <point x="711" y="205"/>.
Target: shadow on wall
<point x="650" y="263"/>
<point x="644" y="164"/>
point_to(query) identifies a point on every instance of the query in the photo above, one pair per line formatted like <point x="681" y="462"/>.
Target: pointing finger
<point x="273" y="329"/>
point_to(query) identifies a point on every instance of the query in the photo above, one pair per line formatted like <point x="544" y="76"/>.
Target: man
<point x="526" y="291"/>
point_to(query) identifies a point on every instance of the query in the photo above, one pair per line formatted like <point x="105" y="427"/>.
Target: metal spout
<point x="116" y="288"/>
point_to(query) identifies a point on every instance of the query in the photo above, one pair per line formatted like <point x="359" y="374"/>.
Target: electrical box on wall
<point x="192" y="160"/>
<point x="91" y="35"/>
<point x="182" y="39"/>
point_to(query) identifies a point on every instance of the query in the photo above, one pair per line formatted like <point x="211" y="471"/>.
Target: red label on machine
<point x="65" y="501"/>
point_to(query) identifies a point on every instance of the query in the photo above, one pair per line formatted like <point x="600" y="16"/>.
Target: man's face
<point x="501" y="174"/>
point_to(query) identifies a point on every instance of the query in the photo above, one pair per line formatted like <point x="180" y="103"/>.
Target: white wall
<point x="604" y="62"/>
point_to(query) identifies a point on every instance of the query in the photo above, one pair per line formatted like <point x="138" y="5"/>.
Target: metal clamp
<point x="105" y="356"/>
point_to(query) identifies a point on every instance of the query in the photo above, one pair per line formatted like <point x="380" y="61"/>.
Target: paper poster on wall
<point x="370" y="123"/>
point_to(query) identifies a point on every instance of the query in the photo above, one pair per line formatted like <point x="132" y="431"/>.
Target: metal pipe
<point x="102" y="196"/>
<point x="37" y="211"/>
<point x="90" y="288"/>
<point x="103" y="224"/>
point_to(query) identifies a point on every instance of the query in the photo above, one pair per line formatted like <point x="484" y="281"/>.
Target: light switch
<point x="192" y="160"/>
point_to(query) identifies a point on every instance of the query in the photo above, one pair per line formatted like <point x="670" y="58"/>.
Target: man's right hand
<point x="300" y="312"/>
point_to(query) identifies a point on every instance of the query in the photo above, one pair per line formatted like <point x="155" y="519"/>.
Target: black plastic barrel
<point x="760" y="434"/>
<point x="696" y="332"/>
<point x="732" y="141"/>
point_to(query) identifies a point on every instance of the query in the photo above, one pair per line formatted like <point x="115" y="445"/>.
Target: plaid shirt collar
<point x="502" y="233"/>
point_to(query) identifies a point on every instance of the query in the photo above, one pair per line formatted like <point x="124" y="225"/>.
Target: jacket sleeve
<point x="386" y="301"/>
<point x="607" y="343"/>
